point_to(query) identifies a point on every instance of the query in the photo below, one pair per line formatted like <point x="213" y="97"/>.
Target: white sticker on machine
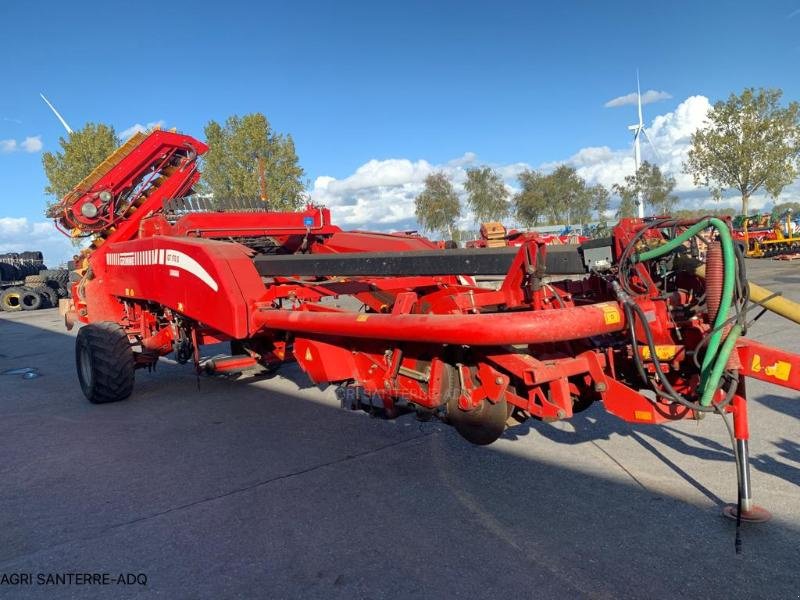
<point x="172" y="258"/>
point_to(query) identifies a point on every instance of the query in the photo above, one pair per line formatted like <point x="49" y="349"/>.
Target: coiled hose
<point x="717" y="353"/>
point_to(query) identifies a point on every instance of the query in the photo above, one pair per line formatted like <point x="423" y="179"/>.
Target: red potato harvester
<point x="637" y="322"/>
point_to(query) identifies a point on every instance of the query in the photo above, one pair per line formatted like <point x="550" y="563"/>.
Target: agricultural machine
<point x="635" y="321"/>
<point x="761" y="236"/>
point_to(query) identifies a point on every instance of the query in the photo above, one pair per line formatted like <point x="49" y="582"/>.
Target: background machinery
<point x="635" y="321"/>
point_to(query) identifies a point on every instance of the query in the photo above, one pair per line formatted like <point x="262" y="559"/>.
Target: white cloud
<point x="648" y="97"/>
<point x="30" y="144"/>
<point x="19" y="234"/>
<point x="380" y="193"/>
<point x="139" y="128"/>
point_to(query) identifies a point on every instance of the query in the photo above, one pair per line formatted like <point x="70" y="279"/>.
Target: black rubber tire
<point x="10" y="299"/>
<point x="60" y="275"/>
<point x="62" y="291"/>
<point x="105" y="363"/>
<point x="31" y="300"/>
<point x="49" y="296"/>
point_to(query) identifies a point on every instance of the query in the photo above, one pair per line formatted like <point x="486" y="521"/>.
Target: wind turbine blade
<point x="639" y="98"/>
<point x="57" y="114"/>
<point x="652" y="145"/>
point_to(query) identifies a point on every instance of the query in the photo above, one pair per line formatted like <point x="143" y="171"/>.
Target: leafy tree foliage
<point x="652" y="186"/>
<point x="530" y="203"/>
<point x="437" y="207"/>
<point x="694" y="213"/>
<point x="231" y="166"/>
<point x="780" y="209"/>
<point x="81" y="151"/>
<point x="559" y="197"/>
<point x="750" y="142"/>
<point x="487" y="196"/>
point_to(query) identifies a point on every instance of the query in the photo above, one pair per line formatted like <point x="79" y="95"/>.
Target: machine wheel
<point x="105" y="363"/>
<point x="30" y="300"/>
<point x="10" y="299"/>
<point x="480" y="426"/>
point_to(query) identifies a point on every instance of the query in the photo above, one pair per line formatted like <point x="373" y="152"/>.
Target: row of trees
<point x="561" y="196"/>
<point x="247" y="158"/>
<point x="750" y="142"/>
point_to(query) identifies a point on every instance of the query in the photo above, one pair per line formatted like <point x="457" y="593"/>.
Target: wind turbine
<point x="638" y="129"/>
<point x="58" y="115"/>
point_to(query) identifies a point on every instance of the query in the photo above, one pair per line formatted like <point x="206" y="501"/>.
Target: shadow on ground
<point x="267" y="489"/>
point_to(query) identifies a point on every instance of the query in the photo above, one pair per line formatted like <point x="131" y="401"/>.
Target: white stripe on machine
<point x="173" y="258"/>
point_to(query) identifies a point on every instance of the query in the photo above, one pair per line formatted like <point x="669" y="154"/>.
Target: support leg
<point x="741" y="432"/>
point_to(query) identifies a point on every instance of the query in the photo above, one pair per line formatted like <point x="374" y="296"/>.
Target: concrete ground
<point x="265" y="488"/>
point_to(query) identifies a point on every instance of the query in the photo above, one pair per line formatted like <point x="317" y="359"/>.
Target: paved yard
<point x="265" y="488"/>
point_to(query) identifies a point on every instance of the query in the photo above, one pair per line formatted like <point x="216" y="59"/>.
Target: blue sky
<point x="427" y="84"/>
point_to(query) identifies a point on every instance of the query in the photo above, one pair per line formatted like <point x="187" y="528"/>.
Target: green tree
<point x="779" y="209"/>
<point x="694" y="213"/>
<point x="566" y="195"/>
<point x="487" y="196"/>
<point x="530" y="203"/>
<point x="750" y="142"/>
<point x="242" y="148"/>
<point x="652" y="186"/>
<point x="81" y="151"/>
<point x="437" y="206"/>
<point x="560" y="197"/>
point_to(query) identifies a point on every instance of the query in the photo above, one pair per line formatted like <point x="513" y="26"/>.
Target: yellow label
<point x="611" y="314"/>
<point x="643" y="415"/>
<point x="362" y="317"/>
<point x="308" y="354"/>
<point x="663" y="352"/>
<point x="755" y="367"/>
<point x="780" y="370"/>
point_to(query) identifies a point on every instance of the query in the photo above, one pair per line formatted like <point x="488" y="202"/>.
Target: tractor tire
<point x="49" y="297"/>
<point x="105" y="363"/>
<point x="31" y="300"/>
<point x="60" y="275"/>
<point x="35" y="281"/>
<point x="10" y="299"/>
<point x="61" y="291"/>
<point x="74" y="276"/>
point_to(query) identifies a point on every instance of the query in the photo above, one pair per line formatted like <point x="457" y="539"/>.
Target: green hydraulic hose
<point x="711" y="357"/>
<point x="719" y="365"/>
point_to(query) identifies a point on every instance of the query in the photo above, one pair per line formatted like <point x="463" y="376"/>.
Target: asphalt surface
<point x="215" y="488"/>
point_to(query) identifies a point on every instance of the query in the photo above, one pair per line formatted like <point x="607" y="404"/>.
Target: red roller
<point x="495" y="329"/>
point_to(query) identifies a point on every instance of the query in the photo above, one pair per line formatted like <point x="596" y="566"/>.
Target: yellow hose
<point x="779" y="305"/>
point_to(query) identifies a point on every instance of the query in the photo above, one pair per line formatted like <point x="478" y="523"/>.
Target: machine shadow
<point x="594" y="424"/>
<point x="399" y="488"/>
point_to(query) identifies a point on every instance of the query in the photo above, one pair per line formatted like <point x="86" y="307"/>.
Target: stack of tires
<point x="28" y="286"/>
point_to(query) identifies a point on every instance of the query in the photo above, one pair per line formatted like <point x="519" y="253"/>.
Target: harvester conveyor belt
<point x="561" y="260"/>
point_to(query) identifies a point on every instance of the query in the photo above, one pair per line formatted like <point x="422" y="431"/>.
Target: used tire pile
<point x="26" y="284"/>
